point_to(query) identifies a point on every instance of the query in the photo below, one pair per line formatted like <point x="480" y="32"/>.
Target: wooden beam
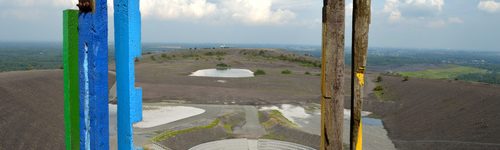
<point x="360" y="29"/>
<point x="332" y="75"/>
<point x="93" y="64"/>
<point x="71" y="91"/>
<point x="128" y="47"/>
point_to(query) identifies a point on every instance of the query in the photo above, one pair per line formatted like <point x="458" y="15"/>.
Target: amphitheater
<point x="250" y="144"/>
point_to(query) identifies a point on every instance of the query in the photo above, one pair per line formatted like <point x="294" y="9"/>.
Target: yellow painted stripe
<point x="359" y="144"/>
<point x="361" y="78"/>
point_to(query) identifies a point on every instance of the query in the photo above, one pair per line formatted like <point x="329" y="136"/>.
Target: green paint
<point x="71" y="92"/>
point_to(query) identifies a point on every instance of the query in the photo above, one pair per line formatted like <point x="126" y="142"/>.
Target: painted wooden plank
<point x="360" y="30"/>
<point x="93" y="64"/>
<point x="332" y="75"/>
<point x="71" y="91"/>
<point x="128" y="47"/>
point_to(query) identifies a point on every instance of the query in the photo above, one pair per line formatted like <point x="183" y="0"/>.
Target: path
<point x="252" y="128"/>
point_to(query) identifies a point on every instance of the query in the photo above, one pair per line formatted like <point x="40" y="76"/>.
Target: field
<point x="449" y="72"/>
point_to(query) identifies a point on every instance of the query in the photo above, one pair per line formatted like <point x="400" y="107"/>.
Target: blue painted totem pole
<point x="85" y="52"/>
<point x="128" y="47"/>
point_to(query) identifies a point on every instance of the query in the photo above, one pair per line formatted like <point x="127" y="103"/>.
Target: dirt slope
<point x="438" y="114"/>
<point x="32" y="110"/>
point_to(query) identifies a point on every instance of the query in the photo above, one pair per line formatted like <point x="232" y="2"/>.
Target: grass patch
<point x="273" y="136"/>
<point x="259" y="72"/>
<point x="229" y="121"/>
<point x="451" y="72"/>
<point x="286" y="72"/>
<point x="276" y="117"/>
<point x="168" y="134"/>
<point x="228" y="128"/>
<point x="301" y="60"/>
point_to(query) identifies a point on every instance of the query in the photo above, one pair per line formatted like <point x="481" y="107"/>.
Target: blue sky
<point x="446" y="24"/>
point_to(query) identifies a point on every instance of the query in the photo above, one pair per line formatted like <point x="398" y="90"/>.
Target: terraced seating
<point x="247" y="144"/>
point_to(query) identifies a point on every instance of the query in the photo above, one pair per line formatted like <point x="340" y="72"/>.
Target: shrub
<point x="164" y="55"/>
<point x="286" y="72"/>
<point x="219" y="58"/>
<point x="378" y="88"/>
<point x="379" y="79"/>
<point x="209" y="53"/>
<point x="307" y="73"/>
<point x="222" y="66"/>
<point x="153" y="58"/>
<point x="220" y="53"/>
<point x="259" y="72"/>
<point x="406" y="78"/>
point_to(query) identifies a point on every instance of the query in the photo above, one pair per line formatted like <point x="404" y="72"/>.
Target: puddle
<point x="226" y="73"/>
<point x="158" y="115"/>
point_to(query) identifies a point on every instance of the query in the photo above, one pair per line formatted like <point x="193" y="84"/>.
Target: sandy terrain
<point x="418" y="114"/>
<point x="439" y="114"/>
<point x="32" y="110"/>
<point x="169" y="80"/>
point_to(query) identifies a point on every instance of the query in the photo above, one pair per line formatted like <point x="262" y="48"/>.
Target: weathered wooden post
<point x="128" y="47"/>
<point x="71" y="91"/>
<point x="332" y="75"/>
<point x="360" y="29"/>
<point x="93" y="66"/>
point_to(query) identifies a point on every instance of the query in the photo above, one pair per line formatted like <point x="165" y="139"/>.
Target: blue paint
<point x="93" y="61"/>
<point x="128" y="47"/>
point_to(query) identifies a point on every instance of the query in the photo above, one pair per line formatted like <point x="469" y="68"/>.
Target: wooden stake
<point x="360" y="29"/>
<point x="332" y="75"/>
<point x="71" y="91"/>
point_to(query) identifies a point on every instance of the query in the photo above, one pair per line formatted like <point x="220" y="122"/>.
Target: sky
<point x="425" y="24"/>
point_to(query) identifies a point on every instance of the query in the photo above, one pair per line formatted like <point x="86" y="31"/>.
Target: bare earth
<point x="418" y="114"/>
<point x="439" y="114"/>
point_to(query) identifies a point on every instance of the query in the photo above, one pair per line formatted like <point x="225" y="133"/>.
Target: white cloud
<point x="437" y="24"/>
<point x="391" y="7"/>
<point x="255" y="11"/>
<point x="398" y="10"/>
<point x="444" y="22"/>
<point x="252" y="12"/>
<point x="174" y="9"/>
<point x="435" y="4"/>
<point x="489" y="6"/>
<point x="455" y="20"/>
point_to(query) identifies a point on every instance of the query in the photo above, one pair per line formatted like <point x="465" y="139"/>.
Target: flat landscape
<point x="279" y="104"/>
<point x="166" y="77"/>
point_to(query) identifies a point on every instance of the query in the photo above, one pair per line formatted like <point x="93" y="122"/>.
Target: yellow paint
<point x="359" y="144"/>
<point x="361" y="78"/>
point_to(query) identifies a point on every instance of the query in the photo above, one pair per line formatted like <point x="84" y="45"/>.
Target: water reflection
<point x="226" y="73"/>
